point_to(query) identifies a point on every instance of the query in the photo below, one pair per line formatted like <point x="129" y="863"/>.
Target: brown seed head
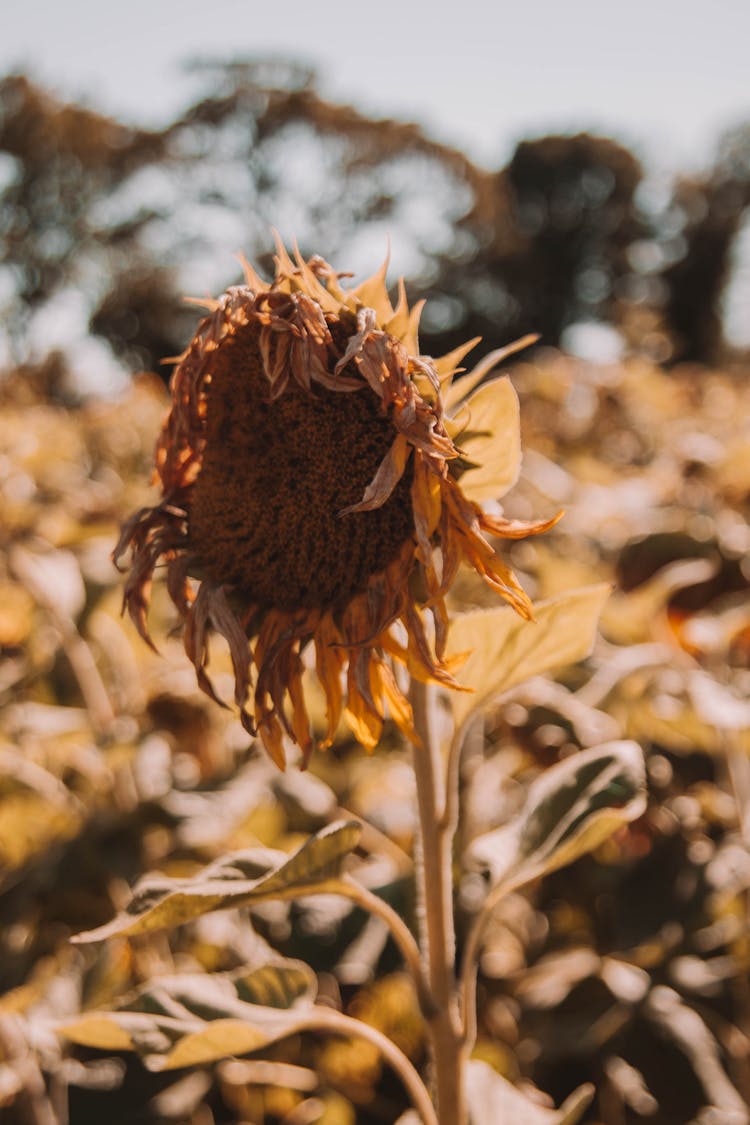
<point x="266" y="512"/>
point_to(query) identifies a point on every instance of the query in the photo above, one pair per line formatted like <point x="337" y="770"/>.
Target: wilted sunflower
<point x="311" y="494"/>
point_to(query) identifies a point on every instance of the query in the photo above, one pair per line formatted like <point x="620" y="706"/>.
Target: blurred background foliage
<point x="629" y="969"/>
<point x="106" y="226"/>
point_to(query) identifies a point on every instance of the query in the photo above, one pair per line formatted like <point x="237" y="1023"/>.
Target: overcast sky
<point x="666" y="76"/>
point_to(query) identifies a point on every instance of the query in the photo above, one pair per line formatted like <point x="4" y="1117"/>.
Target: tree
<point x="710" y="212"/>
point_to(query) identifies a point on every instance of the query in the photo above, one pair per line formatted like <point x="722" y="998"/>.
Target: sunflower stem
<point x="434" y="878"/>
<point x="326" y="1019"/>
<point x="399" y="931"/>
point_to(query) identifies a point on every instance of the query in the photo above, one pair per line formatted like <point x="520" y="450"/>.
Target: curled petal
<point x="330" y="661"/>
<point x="362" y="711"/>
<point x="196" y="640"/>
<point x="366" y="323"/>
<point x="398" y="705"/>
<point x="242" y="544"/>
<point x="389" y="473"/>
<point x="272" y="735"/>
<point x="300" y="720"/>
<point x="516" y="529"/>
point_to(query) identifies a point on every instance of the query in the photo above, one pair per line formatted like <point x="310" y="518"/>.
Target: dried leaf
<point x="505" y="650"/>
<point x="222" y="1038"/>
<point x="238" y="879"/>
<point x="691" y="1035"/>
<point x="493" y="1099"/>
<point x="53" y="576"/>
<point x="194" y="1019"/>
<point x="681" y="721"/>
<point x="716" y="704"/>
<point x="168" y="1043"/>
<point x="277" y="985"/>
<point x="629" y="618"/>
<point x="570" y="809"/>
<point x="118" y="1031"/>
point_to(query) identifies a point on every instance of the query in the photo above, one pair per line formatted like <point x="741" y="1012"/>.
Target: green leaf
<point x="570" y="809"/>
<point x="504" y="649"/>
<point x="493" y="1099"/>
<point x="490" y="439"/>
<point x="238" y="879"/>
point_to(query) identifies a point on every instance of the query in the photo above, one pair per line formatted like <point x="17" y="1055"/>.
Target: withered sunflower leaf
<point x="691" y="1035"/>
<point x="16" y="614"/>
<point x="169" y="1044"/>
<point x="717" y="704"/>
<point x="570" y="809"/>
<point x="223" y="1037"/>
<point x="373" y="293"/>
<point x="193" y="1019"/>
<point x="504" y="649"/>
<point x="678" y="727"/>
<point x="160" y="902"/>
<point x="491" y="438"/>
<point x="492" y="1098"/>
<point x="123" y="1031"/>
<point x="278" y="984"/>
<point x="319" y="858"/>
<point x="629" y="618"/>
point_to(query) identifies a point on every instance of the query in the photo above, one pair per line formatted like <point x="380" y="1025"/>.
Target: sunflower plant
<point x="322" y="486"/>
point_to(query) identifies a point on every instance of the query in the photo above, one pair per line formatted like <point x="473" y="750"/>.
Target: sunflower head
<point x="311" y="499"/>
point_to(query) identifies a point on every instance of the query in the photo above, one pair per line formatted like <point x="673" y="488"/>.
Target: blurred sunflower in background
<point x="316" y="490"/>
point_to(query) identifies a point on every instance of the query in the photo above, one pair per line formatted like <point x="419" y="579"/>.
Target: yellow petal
<point x="361" y="714"/>
<point x="300" y="720"/>
<point x="284" y="264"/>
<point x="446" y="364"/>
<point x="272" y="737"/>
<point x="517" y="529"/>
<point x="252" y="280"/>
<point x="318" y="292"/>
<point x="373" y="294"/>
<point x="411" y="336"/>
<point x="203" y="303"/>
<point x="398" y="325"/>
<point x="329" y="660"/>
<point x="398" y="705"/>
<point x="389" y="473"/>
<point x="463" y="387"/>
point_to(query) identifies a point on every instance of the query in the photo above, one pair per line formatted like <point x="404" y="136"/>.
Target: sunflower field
<point x="213" y="831"/>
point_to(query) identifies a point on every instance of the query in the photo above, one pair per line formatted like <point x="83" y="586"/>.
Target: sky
<point x="664" y="76"/>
